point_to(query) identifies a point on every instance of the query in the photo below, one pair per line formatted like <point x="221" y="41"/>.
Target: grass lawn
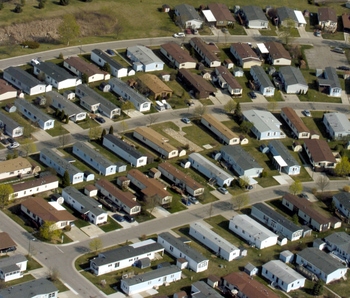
<point x="199" y="135"/>
<point x="111" y="225"/>
<point x="32" y="264"/>
<point x="160" y="129"/>
<point x="58" y="130"/>
<point x="268" y="32"/>
<point x="237" y="30"/>
<point x="87" y="123"/>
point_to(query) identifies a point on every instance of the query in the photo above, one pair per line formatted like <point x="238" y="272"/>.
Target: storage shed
<point x="286" y="256"/>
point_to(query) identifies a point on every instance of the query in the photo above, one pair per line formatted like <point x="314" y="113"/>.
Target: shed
<point x="228" y="63"/>
<point x="286" y="256"/>
<point x="10" y="107"/>
<point x="165" y="77"/>
<point x="185" y="163"/>
<point x="281" y="240"/>
<point x="182" y="152"/>
<point x="69" y="94"/>
<point x="154" y="173"/>
<point x="314" y="134"/>
<point x="250" y="269"/>
<point x="123" y="181"/>
<point x="143" y="263"/>
<point x="88" y="176"/>
<point x="264" y="148"/>
<point x="297" y="147"/>
<point x="307" y="231"/>
<point x="213" y="281"/>
<point x="319" y="243"/>
<point x="243" y="140"/>
<point x="216" y="155"/>
<point x="121" y="167"/>
<point x="165" y="8"/>
<point x="57" y="197"/>
<point x="238" y="72"/>
<point x="104" y="87"/>
<point x="244" y="251"/>
<point x="182" y="263"/>
<point x="90" y="190"/>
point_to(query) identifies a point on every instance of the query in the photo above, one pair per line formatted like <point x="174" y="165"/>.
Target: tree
<point x="69" y="28"/>
<point x="65" y="179"/>
<point x="238" y="110"/>
<point x="53" y="274"/>
<point x="111" y="130"/>
<point x="240" y="201"/>
<point x="152" y="118"/>
<point x="343" y="167"/>
<point x="85" y="78"/>
<point x="18" y="8"/>
<point x="230" y="106"/>
<point x="28" y="147"/>
<point x="67" y="119"/>
<point x="272" y="105"/>
<point x="246" y="126"/>
<point x="41" y="4"/>
<point x="317" y="290"/>
<point x="199" y="111"/>
<point x="106" y="67"/>
<point x="95" y="244"/>
<point x="243" y="182"/>
<point x="48" y="231"/>
<point x="152" y="202"/>
<point x="295" y="218"/>
<point x="104" y="132"/>
<point x="123" y="125"/>
<point x="322" y="182"/>
<point x="64" y="2"/>
<point x="1" y="8"/>
<point x="296" y="187"/>
<point x="95" y="132"/>
<point x="5" y="191"/>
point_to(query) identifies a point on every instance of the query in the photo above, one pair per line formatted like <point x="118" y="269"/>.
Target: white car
<point x="14" y="145"/>
<point x="180" y="34"/>
<point x="307" y="113"/>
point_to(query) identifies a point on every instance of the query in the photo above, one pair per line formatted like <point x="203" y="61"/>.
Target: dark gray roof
<point x="286" y="13"/>
<point x="9" y="264"/>
<point x="262" y="76"/>
<point x="283" y="152"/>
<point x="55" y="72"/>
<point x="30" y="289"/>
<point x="279" y="218"/>
<point x="113" y="63"/>
<point x="341" y="240"/>
<point x="344" y="199"/>
<point x="187" y="12"/>
<point x="292" y="75"/>
<point x="243" y="159"/>
<point x="205" y="290"/>
<point x="249" y="267"/>
<point x="184" y="248"/>
<point x="330" y="78"/>
<point x="10" y="123"/>
<point x="124" y="146"/>
<point x="321" y="260"/>
<point x="32" y="109"/>
<point x="254" y="13"/>
<point x="24" y="77"/>
<point x="90" y="205"/>
<point x="66" y="105"/>
<point x="125" y="252"/>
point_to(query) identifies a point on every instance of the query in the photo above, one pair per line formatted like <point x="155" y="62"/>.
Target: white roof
<point x="209" y="15"/>
<point x="57" y="206"/>
<point x="142" y="243"/>
<point x="300" y="17"/>
<point x="280" y="161"/>
<point x="283" y="271"/>
<point x="252" y="181"/>
<point x="263" y="121"/>
<point x="262" y="48"/>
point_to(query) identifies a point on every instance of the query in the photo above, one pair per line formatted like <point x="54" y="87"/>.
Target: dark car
<point x="119" y="217"/>
<point x="5" y="142"/>
<point x="129" y="218"/>
<point x="252" y="94"/>
<point x="110" y="52"/>
<point x="304" y="195"/>
<point x="346" y="68"/>
<point x="100" y="120"/>
<point x="11" y="140"/>
<point x="224" y="30"/>
<point x="185" y="202"/>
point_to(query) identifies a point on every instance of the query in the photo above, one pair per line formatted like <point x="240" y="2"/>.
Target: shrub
<point x="264" y="174"/>
<point x="30" y="44"/>
<point x="314" y="191"/>
<point x="41" y="4"/>
<point x="67" y="228"/>
<point x="346" y="188"/>
<point x="18" y="8"/>
<point x="60" y="56"/>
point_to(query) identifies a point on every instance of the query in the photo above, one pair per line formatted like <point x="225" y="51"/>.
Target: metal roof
<point x="282" y="271"/>
<point x="292" y="75"/>
<point x="20" y="102"/>
<point x="241" y="157"/>
<point x="124" y="146"/>
<point x="262" y="120"/>
<point x="283" y="152"/>
<point x="61" y="103"/>
<point x="22" y="76"/>
<point x="144" y="55"/>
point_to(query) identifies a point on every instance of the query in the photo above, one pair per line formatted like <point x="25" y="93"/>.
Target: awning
<point x="262" y="48"/>
<point x="280" y="161"/>
<point x="209" y="15"/>
<point x="300" y="17"/>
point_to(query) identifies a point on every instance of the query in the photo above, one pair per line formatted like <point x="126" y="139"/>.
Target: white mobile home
<point x="226" y="80"/>
<point x="12" y="267"/>
<point x="254" y="17"/>
<point x="220" y="246"/>
<point x="337" y="125"/>
<point x="144" y="59"/>
<point x="188" y="16"/>
<point x="262" y="81"/>
<point x="214" y="173"/>
<point x="253" y="232"/>
<point x="101" y="58"/>
<point x="10" y="126"/>
<point x="338" y="244"/>
<point x="206" y="51"/>
<point x="6" y="90"/>
<point x="178" y="249"/>
<point x="89" y="208"/>
<point x="179" y="57"/>
<point x="293" y="81"/>
<point x="32" y="187"/>
<point x="298" y="127"/>
<point x="16" y="167"/>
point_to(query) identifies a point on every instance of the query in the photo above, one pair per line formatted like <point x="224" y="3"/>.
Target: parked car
<point x="252" y="94"/>
<point x="118" y="217"/>
<point x="179" y="35"/>
<point x="307" y="113"/>
<point x="13" y="145"/>
<point x="304" y="195"/>
<point x="100" y="120"/>
<point x="224" y="30"/>
<point x="193" y="200"/>
<point x="110" y="52"/>
<point x="346" y="68"/>
<point x="223" y="190"/>
<point x="338" y="50"/>
<point x="249" y="187"/>
<point x="185" y="201"/>
<point x="195" y="31"/>
<point x="186" y="120"/>
<point x="11" y="140"/>
<point x="5" y="142"/>
<point x="129" y="218"/>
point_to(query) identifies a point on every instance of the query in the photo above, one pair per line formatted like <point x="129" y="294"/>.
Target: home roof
<point x="330" y="78"/>
<point x="241" y="157"/>
<point x="89" y="204"/>
<point x="277" y="217"/>
<point x="295" y="119"/>
<point x="319" y="150"/>
<point x="249" y="286"/>
<point x="34" y="288"/>
<point x="252" y="227"/>
<point x="344" y="199"/>
<point x="54" y="71"/>
<point x="286" y="13"/>
<point x="144" y="55"/>
<point x="306" y="207"/>
<point x="178" y="243"/>
<point x="124" y="146"/>
<point x="62" y="103"/>
<point x="45" y="211"/>
<point x="222" y="128"/>
<point x="187" y="12"/>
<point x="13" y="165"/>
<point x="6" y="87"/>
<point x="283" y="152"/>
<point x="8" y="121"/>
<point x="9" y="264"/>
<point x="155" y="138"/>
<point x="132" y="93"/>
<point x="254" y="13"/>
<point x="153" y="83"/>
<point x="346" y="21"/>
<point x="181" y="176"/>
<point x="22" y="76"/>
<point x="262" y="76"/>
<point x="340" y="240"/>
<point x="126" y="252"/>
<point x="204" y="48"/>
<point x="221" y="12"/>
<point x="196" y="81"/>
<point x="107" y="59"/>
<point x="282" y="271"/>
<point x="244" y="51"/>
<point x="300" y="17"/>
<point x="212" y="168"/>
<point x="292" y="75"/>
<point x="6" y="241"/>
<point x="125" y="197"/>
<point x="92" y="153"/>
<point x="277" y="50"/>
<point x="339" y="122"/>
<point x="262" y="120"/>
<point x="23" y="185"/>
<point x="177" y="53"/>
<point x="228" y="77"/>
<point x="62" y="162"/>
<point x="327" y="14"/>
<point x="32" y="109"/>
<point x="83" y="66"/>
<point x="205" y="291"/>
<point x="321" y="260"/>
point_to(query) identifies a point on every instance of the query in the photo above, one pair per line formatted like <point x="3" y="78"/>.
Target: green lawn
<point x="111" y="225"/>
<point x="197" y="134"/>
<point x="58" y="130"/>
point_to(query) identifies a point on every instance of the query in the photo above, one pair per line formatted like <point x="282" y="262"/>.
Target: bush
<point x="264" y="174"/>
<point x="18" y="8"/>
<point x="30" y="44"/>
<point x="67" y="228"/>
<point x="41" y="4"/>
<point x="60" y="56"/>
<point x="346" y="188"/>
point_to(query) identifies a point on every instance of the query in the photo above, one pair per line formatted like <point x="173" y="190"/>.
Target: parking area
<point x="328" y="57"/>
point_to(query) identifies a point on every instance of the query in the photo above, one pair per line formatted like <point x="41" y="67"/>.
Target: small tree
<point x="104" y="132"/>
<point x="343" y="167"/>
<point x="69" y="28"/>
<point x="322" y="182"/>
<point x="64" y="2"/>
<point x="95" y="244"/>
<point x="111" y="130"/>
<point x="152" y="202"/>
<point x="317" y="290"/>
<point x="53" y="274"/>
<point x="295" y="218"/>
<point x="123" y="125"/>
<point x="152" y="118"/>
<point x="199" y="111"/>
<point x="5" y="191"/>
<point x="85" y="78"/>
<point x="238" y="111"/>
<point x="296" y="187"/>
<point x="95" y="132"/>
<point x="240" y="201"/>
<point x="65" y="179"/>
<point x="41" y="4"/>
<point x="48" y="232"/>
<point x="18" y="8"/>
<point x="64" y="139"/>
<point x="67" y="119"/>
<point x="230" y="106"/>
<point x="106" y="67"/>
<point x="243" y="182"/>
<point x="246" y="126"/>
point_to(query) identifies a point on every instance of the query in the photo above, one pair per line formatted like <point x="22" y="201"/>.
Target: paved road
<point x="62" y="257"/>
